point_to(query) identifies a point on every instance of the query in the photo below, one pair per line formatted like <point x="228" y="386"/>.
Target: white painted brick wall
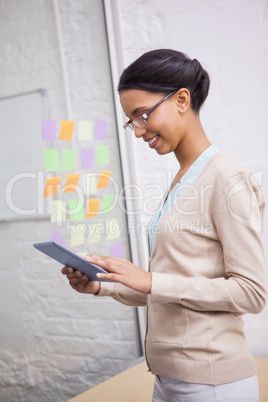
<point x="54" y="342"/>
<point x="48" y="332"/>
<point x="229" y="37"/>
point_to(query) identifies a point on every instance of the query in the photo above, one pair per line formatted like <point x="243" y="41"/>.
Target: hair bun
<point x="164" y="71"/>
<point x="199" y="90"/>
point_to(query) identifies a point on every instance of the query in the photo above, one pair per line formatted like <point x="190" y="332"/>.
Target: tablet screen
<point x="68" y="258"/>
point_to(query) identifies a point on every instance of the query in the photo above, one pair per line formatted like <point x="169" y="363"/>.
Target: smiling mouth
<point x="153" y="141"/>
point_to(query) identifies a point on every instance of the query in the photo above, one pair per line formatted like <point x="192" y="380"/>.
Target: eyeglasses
<point x="140" y="121"/>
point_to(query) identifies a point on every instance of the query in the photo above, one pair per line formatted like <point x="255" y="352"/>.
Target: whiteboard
<point x="20" y="151"/>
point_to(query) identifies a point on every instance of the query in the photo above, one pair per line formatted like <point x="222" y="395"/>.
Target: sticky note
<point x="107" y="203"/>
<point x="66" y="131"/>
<point x="51" y="160"/>
<point x="104" y="178"/>
<point x="112" y="229"/>
<point x="103" y="154"/>
<point x="100" y="129"/>
<point x="94" y="234"/>
<point x="57" y="238"/>
<point x="71" y="182"/>
<point x="85" y="130"/>
<point x="76" y="210"/>
<point x="93" y="206"/>
<point x="82" y="253"/>
<point x="68" y="159"/>
<point x="77" y="239"/>
<point x="51" y="186"/>
<point x="89" y="183"/>
<point x="58" y="212"/>
<point x="87" y="159"/>
<point x="116" y="250"/>
<point x="48" y="129"/>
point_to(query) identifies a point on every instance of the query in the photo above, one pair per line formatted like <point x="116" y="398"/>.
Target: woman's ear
<point x="183" y="100"/>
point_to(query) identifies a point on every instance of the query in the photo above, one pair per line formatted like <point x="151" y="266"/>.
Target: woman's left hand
<point x="123" y="271"/>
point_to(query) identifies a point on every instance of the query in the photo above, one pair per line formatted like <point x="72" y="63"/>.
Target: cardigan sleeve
<point x="122" y="294"/>
<point x="238" y="218"/>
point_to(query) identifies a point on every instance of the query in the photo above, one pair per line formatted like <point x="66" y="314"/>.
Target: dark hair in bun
<point x="164" y="71"/>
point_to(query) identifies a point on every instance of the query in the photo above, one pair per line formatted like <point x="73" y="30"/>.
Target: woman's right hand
<point x="80" y="281"/>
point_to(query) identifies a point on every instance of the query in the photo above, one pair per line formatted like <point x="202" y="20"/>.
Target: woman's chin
<point x="162" y="151"/>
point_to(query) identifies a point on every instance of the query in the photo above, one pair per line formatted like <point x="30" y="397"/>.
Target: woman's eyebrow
<point x="138" y="109"/>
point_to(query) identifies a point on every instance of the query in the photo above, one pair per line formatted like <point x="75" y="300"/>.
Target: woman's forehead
<point x="132" y="99"/>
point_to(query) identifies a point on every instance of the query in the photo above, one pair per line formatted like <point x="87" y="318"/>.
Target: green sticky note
<point x="51" y="159"/>
<point x="103" y="154"/>
<point x="107" y="203"/>
<point x="85" y="130"/>
<point x="76" y="210"/>
<point x="68" y="159"/>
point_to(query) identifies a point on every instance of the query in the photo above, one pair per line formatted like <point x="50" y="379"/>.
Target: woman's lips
<point x="153" y="141"/>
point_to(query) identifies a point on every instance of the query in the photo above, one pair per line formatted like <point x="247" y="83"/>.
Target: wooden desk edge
<point x="139" y="375"/>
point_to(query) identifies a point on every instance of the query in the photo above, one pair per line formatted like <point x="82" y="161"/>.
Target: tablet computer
<point x="70" y="259"/>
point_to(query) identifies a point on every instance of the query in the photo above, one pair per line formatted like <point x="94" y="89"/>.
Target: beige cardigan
<point x="208" y="269"/>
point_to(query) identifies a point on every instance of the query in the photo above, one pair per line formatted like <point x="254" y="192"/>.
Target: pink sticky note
<point x="48" y="130"/>
<point x="116" y="250"/>
<point x="100" y="129"/>
<point x="57" y="238"/>
<point x="87" y="158"/>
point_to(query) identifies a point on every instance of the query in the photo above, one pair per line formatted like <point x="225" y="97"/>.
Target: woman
<point x="206" y="265"/>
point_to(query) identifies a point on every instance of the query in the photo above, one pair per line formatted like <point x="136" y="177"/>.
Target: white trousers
<point x="169" y="390"/>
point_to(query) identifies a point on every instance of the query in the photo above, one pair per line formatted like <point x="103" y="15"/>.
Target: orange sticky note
<point x="66" y="131"/>
<point x="93" y="206"/>
<point x="104" y="179"/>
<point x="51" y="186"/>
<point x="71" y="182"/>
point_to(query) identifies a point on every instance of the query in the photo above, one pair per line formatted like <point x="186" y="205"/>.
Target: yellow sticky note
<point x="51" y="186"/>
<point x="112" y="228"/>
<point x="58" y="212"/>
<point x="94" y="234"/>
<point x="89" y="184"/>
<point x="104" y="179"/>
<point x="85" y="130"/>
<point x="71" y="182"/>
<point x="67" y="129"/>
<point x="77" y="239"/>
<point x="93" y="206"/>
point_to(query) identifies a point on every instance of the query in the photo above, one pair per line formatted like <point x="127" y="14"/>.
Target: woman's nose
<point x="139" y="131"/>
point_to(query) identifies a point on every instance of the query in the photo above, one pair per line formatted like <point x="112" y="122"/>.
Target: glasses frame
<point x="141" y="120"/>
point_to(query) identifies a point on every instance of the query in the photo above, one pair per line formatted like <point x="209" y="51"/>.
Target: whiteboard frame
<point x="12" y="217"/>
<point x="129" y="165"/>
